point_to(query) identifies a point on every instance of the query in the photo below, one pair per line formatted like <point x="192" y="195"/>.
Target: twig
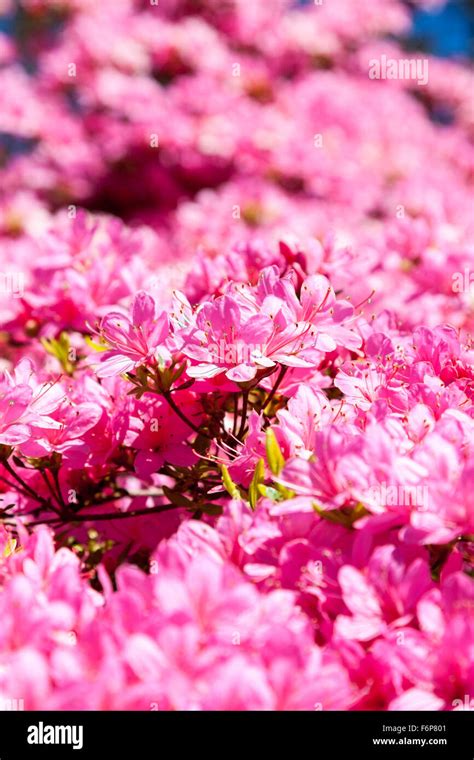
<point x="22" y="483"/>
<point x="182" y="416"/>
<point x="243" y="419"/>
<point x="283" y="371"/>
<point x="106" y="516"/>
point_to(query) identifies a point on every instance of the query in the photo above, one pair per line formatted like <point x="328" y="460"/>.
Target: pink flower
<point x="26" y="405"/>
<point x="74" y="422"/>
<point x="162" y="436"/>
<point x="134" y="340"/>
<point x="385" y="598"/>
<point x="248" y="330"/>
<point x="306" y="412"/>
<point x="291" y="262"/>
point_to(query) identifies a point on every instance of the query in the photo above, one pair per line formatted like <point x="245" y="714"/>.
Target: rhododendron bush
<point x="237" y="371"/>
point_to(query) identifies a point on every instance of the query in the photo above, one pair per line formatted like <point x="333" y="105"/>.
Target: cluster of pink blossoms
<point x="236" y="360"/>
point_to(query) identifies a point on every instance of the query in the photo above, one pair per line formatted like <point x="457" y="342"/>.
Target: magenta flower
<point x="162" y="436"/>
<point x="251" y="329"/>
<point x="133" y="340"/>
<point x="254" y="488"/>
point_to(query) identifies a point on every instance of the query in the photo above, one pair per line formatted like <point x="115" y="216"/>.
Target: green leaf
<point x="345" y="516"/>
<point x="178" y="499"/>
<point x="211" y="509"/>
<point x="269" y="492"/>
<point x="167" y="376"/>
<point x="285" y="493"/>
<point x="60" y="348"/>
<point x="229" y="484"/>
<point x="258" y="478"/>
<point x="5" y="451"/>
<point x="275" y="458"/>
<point x="178" y="371"/>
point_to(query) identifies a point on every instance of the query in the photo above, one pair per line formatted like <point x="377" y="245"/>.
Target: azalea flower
<point x="252" y="487"/>
<point x="134" y="339"/>
<point x="251" y="329"/>
<point x="26" y="405"/>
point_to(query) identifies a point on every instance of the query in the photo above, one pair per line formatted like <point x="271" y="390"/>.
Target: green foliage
<point x="275" y="458"/>
<point x="258" y="479"/>
<point x="61" y="349"/>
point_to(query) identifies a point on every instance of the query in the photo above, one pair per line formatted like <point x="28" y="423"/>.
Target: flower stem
<point x="243" y="420"/>
<point x="271" y="395"/>
<point x="24" y="486"/>
<point x="182" y="416"/>
<point x="106" y="516"/>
